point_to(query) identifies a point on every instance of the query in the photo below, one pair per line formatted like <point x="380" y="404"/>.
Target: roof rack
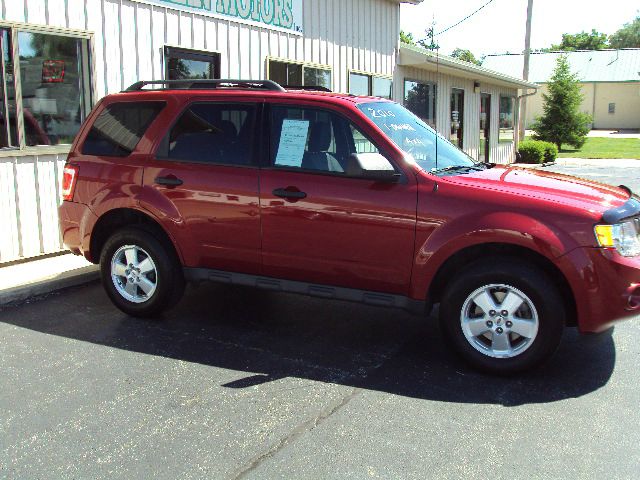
<point x="210" y="84"/>
<point x="315" y="88"/>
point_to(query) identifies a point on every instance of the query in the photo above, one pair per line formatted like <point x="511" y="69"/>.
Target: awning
<point x="412" y="56"/>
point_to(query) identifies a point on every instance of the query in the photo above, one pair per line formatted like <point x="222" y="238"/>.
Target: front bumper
<point x="606" y="288"/>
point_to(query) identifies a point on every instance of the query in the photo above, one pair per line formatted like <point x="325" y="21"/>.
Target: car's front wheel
<point x="503" y="317"/>
<point x="141" y="274"/>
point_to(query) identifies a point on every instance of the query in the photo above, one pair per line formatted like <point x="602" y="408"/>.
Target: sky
<point x="500" y="26"/>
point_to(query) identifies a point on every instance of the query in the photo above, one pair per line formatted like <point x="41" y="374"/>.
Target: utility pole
<point x="525" y="70"/>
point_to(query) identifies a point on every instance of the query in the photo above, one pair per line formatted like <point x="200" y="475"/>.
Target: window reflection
<point x="420" y="98"/>
<point x="359" y="84"/>
<point x="8" y="132"/>
<point x="382" y="87"/>
<point x="51" y="80"/>
<point x="183" y="64"/>
<point x="298" y="75"/>
<point x="367" y="84"/>
<point x="507" y="108"/>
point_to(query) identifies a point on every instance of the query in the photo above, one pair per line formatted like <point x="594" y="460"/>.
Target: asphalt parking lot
<point x="238" y="383"/>
<point x="614" y="172"/>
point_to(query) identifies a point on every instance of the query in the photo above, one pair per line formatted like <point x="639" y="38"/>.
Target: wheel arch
<point x="127" y="217"/>
<point x="466" y="256"/>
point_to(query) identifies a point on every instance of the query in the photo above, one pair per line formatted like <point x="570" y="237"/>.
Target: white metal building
<point x="60" y="56"/>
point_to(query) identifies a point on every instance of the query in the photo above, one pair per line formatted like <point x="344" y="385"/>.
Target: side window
<point x="361" y="143"/>
<point x="369" y="155"/>
<point x="119" y="128"/>
<point x="307" y="139"/>
<point x="212" y="133"/>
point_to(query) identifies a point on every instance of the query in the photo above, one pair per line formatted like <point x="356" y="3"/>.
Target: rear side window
<point x="216" y="133"/>
<point x="119" y="128"/>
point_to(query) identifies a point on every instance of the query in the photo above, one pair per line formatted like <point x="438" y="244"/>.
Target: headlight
<point x="621" y="236"/>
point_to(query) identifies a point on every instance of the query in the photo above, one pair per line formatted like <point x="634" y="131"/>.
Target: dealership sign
<point x="274" y="13"/>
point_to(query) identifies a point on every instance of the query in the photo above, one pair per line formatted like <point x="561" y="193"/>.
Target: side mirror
<point x="372" y="166"/>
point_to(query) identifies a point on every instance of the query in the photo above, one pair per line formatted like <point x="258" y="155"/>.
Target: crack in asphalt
<point x="295" y="434"/>
<point x="317" y="420"/>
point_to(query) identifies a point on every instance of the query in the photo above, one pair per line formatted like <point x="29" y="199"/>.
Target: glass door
<point x="485" y="127"/>
<point x="457" y="116"/>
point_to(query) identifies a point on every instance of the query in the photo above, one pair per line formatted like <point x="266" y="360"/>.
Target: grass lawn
<point x="599" y="147"/>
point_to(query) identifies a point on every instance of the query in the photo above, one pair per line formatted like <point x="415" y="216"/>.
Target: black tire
<point x="529" y="280"/>
<point x="167" y="275"/>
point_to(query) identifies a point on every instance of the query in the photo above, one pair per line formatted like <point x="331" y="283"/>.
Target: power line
<point x="465" y="18"/>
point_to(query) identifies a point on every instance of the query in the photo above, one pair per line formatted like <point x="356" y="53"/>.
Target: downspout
<point x="523" y="120"/>
<point x="593" y="107"/>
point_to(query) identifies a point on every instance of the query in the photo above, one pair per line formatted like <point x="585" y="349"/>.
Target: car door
<point x="320" y="222"/>
<point x="205" y="171"/>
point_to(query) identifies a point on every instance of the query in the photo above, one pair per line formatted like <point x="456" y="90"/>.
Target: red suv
<point x="343" y="197"/>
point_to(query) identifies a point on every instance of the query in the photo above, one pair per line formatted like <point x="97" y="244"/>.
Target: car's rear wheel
<point x="141" y="274"/>
<point x="503" y="316"/>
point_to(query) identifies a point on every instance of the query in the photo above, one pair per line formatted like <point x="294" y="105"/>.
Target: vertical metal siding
<point x="29" y="195"/>
<point x="129" y="36"/>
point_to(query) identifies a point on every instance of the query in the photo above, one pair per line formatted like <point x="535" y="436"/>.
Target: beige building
<point x="610" y="81"/>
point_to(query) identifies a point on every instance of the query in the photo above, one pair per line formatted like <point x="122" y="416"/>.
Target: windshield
<point x="430" y="151"/>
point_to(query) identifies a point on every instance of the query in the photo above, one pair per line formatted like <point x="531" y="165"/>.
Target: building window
<point x="457" y="117"/>
<point x="371" y="85"/>
<point x="9" y="133"/>
<point x="507" y="115"/>
<point x="299" y="74"/>
<point x="183" y="64"/>
<point x="420" y="98"/>
<point x="50" y="79"/>
<point x="612" y="108"/>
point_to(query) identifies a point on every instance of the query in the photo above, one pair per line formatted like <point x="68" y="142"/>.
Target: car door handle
<point x="288" y="193"/>
<point x="170" y="181"/>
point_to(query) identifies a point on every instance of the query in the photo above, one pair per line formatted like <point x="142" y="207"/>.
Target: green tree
<point x="407" y="37"/>
<point x="50" y="46"/>
<point x="465" y="55"/>
<point x="562" y="121"/>
<point x="628" y="36"/>
<point x="582" y="41"/>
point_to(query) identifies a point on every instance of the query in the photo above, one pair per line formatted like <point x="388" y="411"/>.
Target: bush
<point x="550" y="152"/>
<point x="531" y="151"/>
<point x="536" y="151"/>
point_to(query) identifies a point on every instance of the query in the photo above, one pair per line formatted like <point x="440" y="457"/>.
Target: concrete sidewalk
<point x="624" y="133"/>
<point x="21" y="281"/>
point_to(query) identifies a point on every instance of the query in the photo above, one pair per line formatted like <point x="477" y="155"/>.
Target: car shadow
<point x="267" y="336"/>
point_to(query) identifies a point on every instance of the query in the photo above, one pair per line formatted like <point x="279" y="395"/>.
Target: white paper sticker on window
<point x="292" y="143"/>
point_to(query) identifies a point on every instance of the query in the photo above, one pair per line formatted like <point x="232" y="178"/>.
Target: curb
<point x="533" y="165"/>
<point x="71" y="278"/>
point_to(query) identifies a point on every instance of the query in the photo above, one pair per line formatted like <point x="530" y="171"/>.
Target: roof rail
<point x="315" y="88"/>
<point x="207" y="84"/>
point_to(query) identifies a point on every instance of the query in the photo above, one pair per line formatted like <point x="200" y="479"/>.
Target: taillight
<point x="69" y="179"/>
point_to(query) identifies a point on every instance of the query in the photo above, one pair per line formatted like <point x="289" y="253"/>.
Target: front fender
<point x="437" y="241"/>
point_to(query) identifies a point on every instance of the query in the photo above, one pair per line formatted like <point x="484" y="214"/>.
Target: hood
<point x="545" y="186"/>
